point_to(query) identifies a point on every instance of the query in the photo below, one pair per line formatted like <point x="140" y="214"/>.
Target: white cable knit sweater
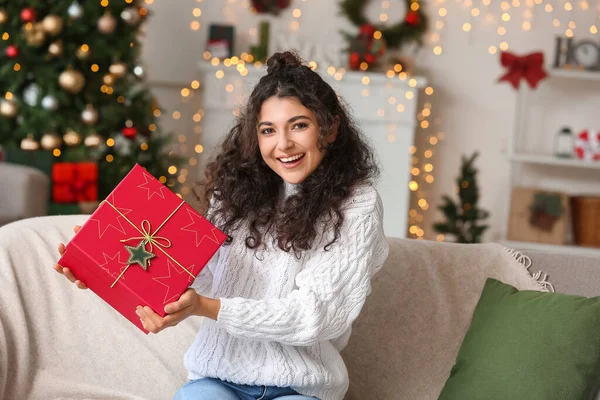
<point x="284" y="320"/>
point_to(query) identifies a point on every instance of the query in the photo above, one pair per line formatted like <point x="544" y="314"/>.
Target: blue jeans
<point x="215" y="389"/>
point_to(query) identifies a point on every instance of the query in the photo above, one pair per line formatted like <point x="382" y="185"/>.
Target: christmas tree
<point x="71" y="85"/>
<point x="463" y="218"/>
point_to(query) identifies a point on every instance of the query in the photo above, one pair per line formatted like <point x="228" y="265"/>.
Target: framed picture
<point x="539" y="216"/>
<point x="220" y="41"/>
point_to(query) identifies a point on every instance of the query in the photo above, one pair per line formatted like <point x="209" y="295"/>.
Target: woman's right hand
<point x="66" y="271"/>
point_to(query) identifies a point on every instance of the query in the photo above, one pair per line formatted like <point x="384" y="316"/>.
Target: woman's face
<point x="288" y="136"/>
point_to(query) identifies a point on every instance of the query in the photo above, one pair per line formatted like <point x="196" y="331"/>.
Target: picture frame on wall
<point x="539" y="216"/>
<point x="220" y="40"/>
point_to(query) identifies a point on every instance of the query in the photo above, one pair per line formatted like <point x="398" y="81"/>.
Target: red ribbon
<point x="530" y="67"/>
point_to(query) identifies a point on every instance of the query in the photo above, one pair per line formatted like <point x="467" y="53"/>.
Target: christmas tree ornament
<point x="55" y="49"/>
<point x="72" y="138"/>
<point x="118" y="69"/>
<point x="3" y="16"/>
<point x="8" y="108"/>
<point x="71" y="80"/>
<point x="12" y="51"/>
<point x="413" y="18"/>
<point x="34" y="34"/>
<point x="123" y="145"/>
<point x="52" y="24"/>
<point x="93" y="140"/>
<point x="50" y="102"/>
<point x="29" y="143"/>
<point x="139" y="255"/>
<point x="108" y="79"/>
<point x="83" y="52"/>
<point x="129" y="132"/>
<point x="89" y="115"/>
<point x="75" y="10"/>
<point x="50" y="141"/>
<point x="31" y="95"/>
<point x="28" y="15"/>
<point x="107" y="23"/>
<point x="130" y="15"/>
<point x="138" y="71"/>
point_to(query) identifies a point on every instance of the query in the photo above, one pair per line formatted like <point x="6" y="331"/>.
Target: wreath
<point x="270" y="6"/>
<point x="411" y="28"/>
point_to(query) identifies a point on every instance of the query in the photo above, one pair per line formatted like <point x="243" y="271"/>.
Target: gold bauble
<point x="130" y="15"/>
<point x="52" y="24"/>
<point x="72" y="138"/>
<point x="108" y="79"/>
<point x="118" y="69"/>
<point x="55" y="49"/>
<point x="34" y="34"/>
<point x="107" y="23"/>
<point x="50" y="141"/>
<point x="3" y="16"/>
<point x="8" y="108"/>
<point x="82" y="55"/>
<point x="29" y="143"/>
<point x="93" y="140"/>
<point x="89" y="115"/>
<point x="71" y="80"/>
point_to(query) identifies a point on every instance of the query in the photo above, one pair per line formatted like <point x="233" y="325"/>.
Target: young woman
<point x="292" y="185"/>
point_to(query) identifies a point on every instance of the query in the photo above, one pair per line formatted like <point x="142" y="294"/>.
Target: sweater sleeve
<point x="331" y="289"/>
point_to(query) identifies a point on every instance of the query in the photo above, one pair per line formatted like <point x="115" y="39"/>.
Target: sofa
<point x="59" y="342"/>
<point x="24" y="192"/>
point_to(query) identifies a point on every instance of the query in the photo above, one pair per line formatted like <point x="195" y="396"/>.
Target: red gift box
<point x="141" y="217"/>
<point x="74" y="182"/>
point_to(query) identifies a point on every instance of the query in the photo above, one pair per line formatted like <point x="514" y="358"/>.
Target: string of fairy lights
<point x="422" y="170"/>
<point x="521" y="16"/>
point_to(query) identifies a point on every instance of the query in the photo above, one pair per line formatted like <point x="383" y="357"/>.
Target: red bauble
<point x="370" y="58"/>
<point x="28" y="15"/>
<point x="129" y="133"/>
<point x="12" y="51"/>
<point x="413" y="18"/>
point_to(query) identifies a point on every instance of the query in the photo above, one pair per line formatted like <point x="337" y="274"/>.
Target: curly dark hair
<point x="246" y="190"/>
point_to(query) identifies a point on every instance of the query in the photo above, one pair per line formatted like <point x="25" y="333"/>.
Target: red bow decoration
<point x="530" y="67"/>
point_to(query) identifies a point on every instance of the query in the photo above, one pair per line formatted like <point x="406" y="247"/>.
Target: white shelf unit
<point x="532" y="162"/>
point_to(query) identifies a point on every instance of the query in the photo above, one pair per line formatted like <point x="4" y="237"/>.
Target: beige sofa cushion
<point x="405" y="341"/>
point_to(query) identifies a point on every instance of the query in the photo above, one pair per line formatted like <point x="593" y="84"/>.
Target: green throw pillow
<point x="528" y="345"/>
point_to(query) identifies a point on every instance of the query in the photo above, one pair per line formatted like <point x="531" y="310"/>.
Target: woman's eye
<point x="266" y="131"/>
<point x="300" y="125"/>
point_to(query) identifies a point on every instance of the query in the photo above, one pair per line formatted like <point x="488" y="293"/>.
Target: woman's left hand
<point x="190" y="303"/>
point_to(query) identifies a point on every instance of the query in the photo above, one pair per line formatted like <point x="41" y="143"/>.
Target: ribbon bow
<point x="530" y="67"/>
<point x="150" y="238"/>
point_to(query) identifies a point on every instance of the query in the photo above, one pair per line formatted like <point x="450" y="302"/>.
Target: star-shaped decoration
<point x="105" y="224"/>
<point x="153" y="186"/>
<point x="201" y="228"/>
<point x="116" y="259"/>
<point x="139" y="255"/>
<point x="165" y="280"/>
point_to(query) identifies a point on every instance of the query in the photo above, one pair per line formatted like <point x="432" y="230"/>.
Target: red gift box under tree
<point x="142" y="246"/>
<point x="74" y="182"/>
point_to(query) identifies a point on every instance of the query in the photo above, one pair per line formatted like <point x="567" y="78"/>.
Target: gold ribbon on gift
<point x="150" y="238"/>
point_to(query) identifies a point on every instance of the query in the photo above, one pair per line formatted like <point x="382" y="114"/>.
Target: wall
<point x="472" y="110"/>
